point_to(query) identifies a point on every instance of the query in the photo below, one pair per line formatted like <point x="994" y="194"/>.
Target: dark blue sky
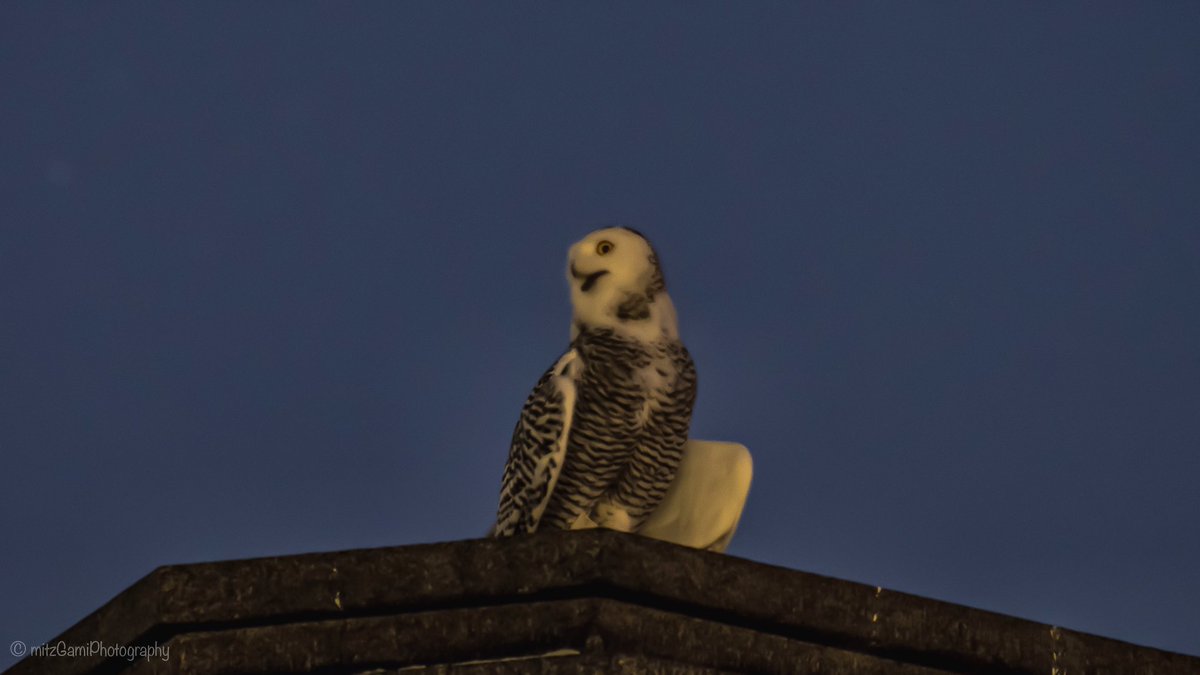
<point x="276" y="278"/>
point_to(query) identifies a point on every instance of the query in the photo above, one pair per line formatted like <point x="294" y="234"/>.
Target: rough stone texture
<point x="563" y="602"/>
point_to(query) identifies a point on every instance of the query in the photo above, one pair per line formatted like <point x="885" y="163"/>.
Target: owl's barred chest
<point x="624" y="383"/>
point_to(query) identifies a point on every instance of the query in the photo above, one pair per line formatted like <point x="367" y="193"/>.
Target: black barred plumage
<point x="628" y="433"/>
<point x="536" y="452"/>
<point x="600" y="438"/>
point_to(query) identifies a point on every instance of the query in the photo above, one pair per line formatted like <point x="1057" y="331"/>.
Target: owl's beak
<point x="589" y="280"/>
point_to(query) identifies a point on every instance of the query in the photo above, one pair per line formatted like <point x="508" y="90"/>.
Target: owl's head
<point x="616" y="282"/>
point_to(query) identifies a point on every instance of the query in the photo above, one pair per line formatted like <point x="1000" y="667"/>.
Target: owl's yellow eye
<point x="605" y="247"/>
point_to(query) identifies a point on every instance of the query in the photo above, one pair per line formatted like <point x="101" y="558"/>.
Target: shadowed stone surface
<point x="562" y="602"/>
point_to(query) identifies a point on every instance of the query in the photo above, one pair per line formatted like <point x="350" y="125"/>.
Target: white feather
<point x="704" y="504"/>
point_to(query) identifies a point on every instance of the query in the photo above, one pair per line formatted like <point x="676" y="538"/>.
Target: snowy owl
<point x="601" y="437"/>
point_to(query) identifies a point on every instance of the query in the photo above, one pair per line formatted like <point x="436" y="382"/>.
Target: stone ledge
<point x="606" y="595"/>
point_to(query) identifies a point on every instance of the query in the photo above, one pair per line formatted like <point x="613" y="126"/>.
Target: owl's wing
<point x="539" y="447"/>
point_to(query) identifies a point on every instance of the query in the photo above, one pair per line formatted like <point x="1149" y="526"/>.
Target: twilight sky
<point x="276" y="278"/>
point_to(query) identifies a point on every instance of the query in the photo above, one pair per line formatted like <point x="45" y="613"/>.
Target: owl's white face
<point x="607" y="268"/>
